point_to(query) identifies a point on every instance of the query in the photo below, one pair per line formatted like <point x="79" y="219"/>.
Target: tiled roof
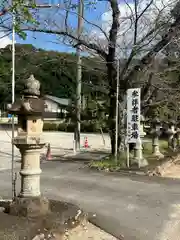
<point x="60" y="101"/>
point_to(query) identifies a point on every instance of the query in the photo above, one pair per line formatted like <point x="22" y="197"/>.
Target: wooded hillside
<point x="56" y="72"/>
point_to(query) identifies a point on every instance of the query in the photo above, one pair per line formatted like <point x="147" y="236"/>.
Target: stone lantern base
<point x="158" y="154"/>
<point x="29" y="207"/>
<point x="140" y="162"/>
<point x="39" y="219"/>
<point x="155" y="148"/>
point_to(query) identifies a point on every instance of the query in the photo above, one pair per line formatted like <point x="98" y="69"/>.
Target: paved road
<point x="60" y="142"/>
<point x="133" y="207"/>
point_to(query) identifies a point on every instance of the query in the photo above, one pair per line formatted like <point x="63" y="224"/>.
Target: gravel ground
<point x="57" y="225"/>
<point x="83" y="232"/>
<point x="88" y="232"/>
<point x="61" y="144"/>
<point x="173" y="171"/>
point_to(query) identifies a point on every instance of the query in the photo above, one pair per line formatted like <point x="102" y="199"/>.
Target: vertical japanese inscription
<point x="133" y="115"/>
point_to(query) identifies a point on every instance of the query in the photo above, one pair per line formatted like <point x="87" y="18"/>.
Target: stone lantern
<point x="28" y="140"/>
<point x="171" y="132"/>
<point x="156" y="132"/>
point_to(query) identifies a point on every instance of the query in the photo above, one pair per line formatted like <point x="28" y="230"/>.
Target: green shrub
<point x="50" y="127"/>
<point x="86" y="126"/>
<point x="62" y="127"/>
<point x="70" y="127"/>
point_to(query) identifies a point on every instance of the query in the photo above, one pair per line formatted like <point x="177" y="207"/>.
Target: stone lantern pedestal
<point x="29" y="142"/>
<point x="30" y="173"/>
<point x="156" y="132"/>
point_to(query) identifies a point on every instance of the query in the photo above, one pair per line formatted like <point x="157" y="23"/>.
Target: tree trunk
<point x="112" y="107"/>
<point x="111" y="71"/>
<point x="112" y="124"/>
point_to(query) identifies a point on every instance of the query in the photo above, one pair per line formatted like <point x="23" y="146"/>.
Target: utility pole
<point x="13" y="98"/>
<point x="117" y="111"/>
<point x="78" y="77"/>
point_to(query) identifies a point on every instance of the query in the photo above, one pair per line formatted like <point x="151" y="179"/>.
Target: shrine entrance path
<point x="129" y="207"/>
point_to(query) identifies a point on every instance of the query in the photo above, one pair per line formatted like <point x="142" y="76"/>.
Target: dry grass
<point x="112" y="165"/>
<point x="84" y="231"/>
<point x="88" y="231"/>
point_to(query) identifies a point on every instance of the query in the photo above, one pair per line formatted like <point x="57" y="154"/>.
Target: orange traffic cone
<point x="48" y="154"/>
<point x="86" y="145"/>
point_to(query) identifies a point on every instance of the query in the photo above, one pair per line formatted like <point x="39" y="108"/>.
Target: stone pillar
<point x="171" y="132"/>
<point x="178" y="136"/>
<point x="156" y="132"/>
<point x="138" y="156"/>
<point x="138" y="149"/>
<point x="30" y="171"/>
<point x="142" y="121"/>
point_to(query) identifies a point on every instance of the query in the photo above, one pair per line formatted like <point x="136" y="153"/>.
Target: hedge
<point x="87" y="126"/>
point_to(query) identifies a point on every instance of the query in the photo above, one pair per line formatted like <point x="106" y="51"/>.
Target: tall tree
<point x="136" y="35"/>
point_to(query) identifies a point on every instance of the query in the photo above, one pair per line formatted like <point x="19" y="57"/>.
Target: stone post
<point x="142" y="121"/>
<point x="178" y="137"/>
<point x="30" y="170"/>
<point x="178" y="134"/>
<point x="171" y="132"/>
<point x="30" y="126"/>
<point x="156" y="132"/>
<point x="138" y="153"/>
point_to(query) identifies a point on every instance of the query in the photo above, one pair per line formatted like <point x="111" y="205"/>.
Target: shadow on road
<point x="83" y="156"/>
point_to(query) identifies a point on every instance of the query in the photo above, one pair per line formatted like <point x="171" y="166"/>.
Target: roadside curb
<point x="102" y="223"/>
<point x="124" y="172"/>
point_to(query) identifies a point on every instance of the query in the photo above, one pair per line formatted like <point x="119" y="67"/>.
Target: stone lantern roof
<point x="30" y="103"/>
<point x="32" y="87"/>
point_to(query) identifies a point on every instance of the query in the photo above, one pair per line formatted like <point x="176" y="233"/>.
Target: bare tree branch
<point x="64" y="33"/>
<point x="146" y="60"/>
<point x="3" y="12"/>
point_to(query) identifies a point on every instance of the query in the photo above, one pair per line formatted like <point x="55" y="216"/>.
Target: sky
<point x="101" y="16"/>
<point x="159" y="9"/>
<point x="49" y="42"/>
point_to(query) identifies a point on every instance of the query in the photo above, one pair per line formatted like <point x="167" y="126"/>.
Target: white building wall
<point x="51" y="106"/>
